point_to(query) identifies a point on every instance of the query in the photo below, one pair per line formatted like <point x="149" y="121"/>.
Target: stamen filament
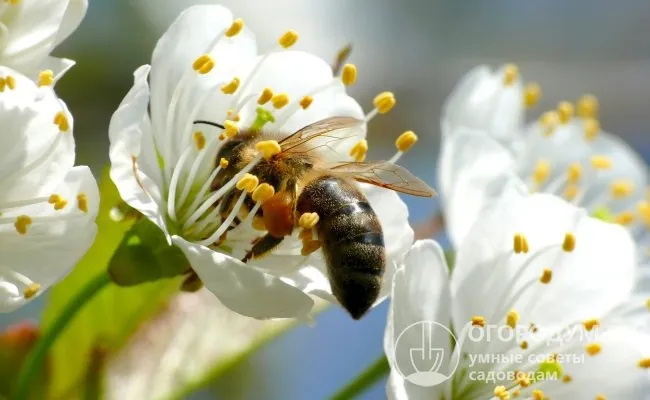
<point x="225" y="224"/>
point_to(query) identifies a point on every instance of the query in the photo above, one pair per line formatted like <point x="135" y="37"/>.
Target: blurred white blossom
<point x="539" y="290"/>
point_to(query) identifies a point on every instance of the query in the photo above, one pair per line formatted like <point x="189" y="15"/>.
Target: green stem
<point x="376" y="371"/>
<point x="34" y="360"/>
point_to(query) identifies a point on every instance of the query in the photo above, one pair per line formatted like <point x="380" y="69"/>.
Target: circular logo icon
<point x="423" y="355"/>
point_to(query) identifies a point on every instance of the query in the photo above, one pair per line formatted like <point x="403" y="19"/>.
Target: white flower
<point x="564" y="153"/>
<point x="31" y="29"/>
<point x="540" y="290"/>
<point x="206" y="67"/>
<point x="47" y="206"/>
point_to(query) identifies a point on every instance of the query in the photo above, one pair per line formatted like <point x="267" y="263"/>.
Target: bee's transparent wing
<point x="386" y="175"/>
<point x="327" y="131"/>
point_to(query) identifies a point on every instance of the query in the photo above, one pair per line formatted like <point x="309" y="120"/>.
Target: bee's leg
<point x="262" y="246"/>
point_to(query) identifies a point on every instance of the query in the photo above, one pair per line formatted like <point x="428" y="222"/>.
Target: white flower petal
<point x="613" y="373"/>
<point x="130" y="136"/>
<point x="191" y="35"/>
<point x="52" y="247"/>
<point x="420" y="293"/>
<point x="72" y="18"/>
<point x="398" y="388"/>
<point x="482" y="101"/>
<point x="34" y="154"/>
<point x="489" y="279"/>
<point x="242" y="288"/>
<point x="474" y="170"/>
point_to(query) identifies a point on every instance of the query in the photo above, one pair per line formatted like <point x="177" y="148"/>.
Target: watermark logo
<point x="418" y="357"/>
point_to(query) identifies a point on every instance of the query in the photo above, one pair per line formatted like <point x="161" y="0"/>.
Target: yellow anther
<point x="22" y="223"/>
<point x="588" y="106"/>
<point x="501" y="393"/>
<point x="510" y="74"/>
<point x="11" y="82"/>
<point x="13" y="2"/>
<point x="601" y="162"/>
<point x="512" y="317"/>
<point x="593" y="348"/>
<point x="647" y="304"/>
<point x="349" y="74"/>
<point x="289" y="38"/>
<point x="231" y="87"/>
<point x="199" y="140"/>
<point x="359" y="150"/>
<point x="265" y="96"/>
<point x="305" y="102"/>
<point x="477" y="320"/>
<point x="643" y="208"/>
<point x="203" y="64"/>
<point x="532" y="94"/>
<point x="46" y="78"/>
<point x="384" y="102"/>
<point x="571" y="191"/>
<point x="538" y="394"/>
<point x="31" y="290"/>
<point x="231" y="128"/>
<point x="248" y="182"/>
<point x="2" y="84"/>
<point x="567" y="378"/>
<point x="574" y="173"/>
<point x="263" y="192"/>
<point x="54" y="198"/>
<point x="516" y="393"/>
<point x="523" y="345"/>
<point x="58" y="201"/>
<point x="520" y="244"/>
<point x="223" y="163"/>
<point x="644" y="363"/>
<point x="309" y="247"/>
<point x="590" y="324"/>
<point x="222" y="136"/>
<point x="592" y="128"/>
<point x="236" y="27"/>
<point x="549" y="121"/>
<point x="308" y="220"/>
<point x="621" y="188"/>
<point x="569" y="243"/>
<point x="546" y="277"/>
<point x="280" y="100"/>
<point x="61" y="121"/>
<point x="268" y="148"/>
<point x="565" y="111"/>
<point x="624" y="218"/>
<point x="542" y="171"/>
<point x="523" y="379"/>
<point x="600" y="397"/>
<point x="405" y="141"/>
<point x="258" y="224"/>
<point x="82" y="202"/>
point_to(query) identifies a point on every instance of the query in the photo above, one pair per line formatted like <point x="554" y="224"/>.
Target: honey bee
<point x="320" y="198"/>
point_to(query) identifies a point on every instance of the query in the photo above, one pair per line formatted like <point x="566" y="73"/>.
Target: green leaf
<point x="144" y="256"/>
<point x="110" y="317"/>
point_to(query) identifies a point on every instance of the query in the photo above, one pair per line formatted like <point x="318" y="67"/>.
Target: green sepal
<point x="144" y="255"/>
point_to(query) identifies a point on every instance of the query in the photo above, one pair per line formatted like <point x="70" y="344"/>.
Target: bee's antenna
<point x="209" y="123"/>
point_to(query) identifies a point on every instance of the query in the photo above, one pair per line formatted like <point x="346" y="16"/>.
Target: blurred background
<point x="415" y="48"/>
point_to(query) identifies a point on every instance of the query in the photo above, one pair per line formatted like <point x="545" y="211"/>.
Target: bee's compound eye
<point x="278" y="215"/>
